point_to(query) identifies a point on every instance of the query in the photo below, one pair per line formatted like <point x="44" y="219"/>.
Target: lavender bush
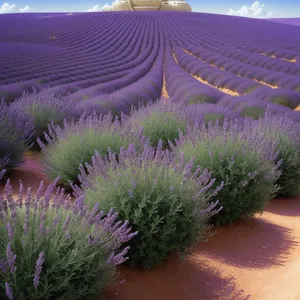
<point x="53" y="248"/>
<point x="42" y="108"/>
<point x="75" y="143"/>
<point x="13" y="141"/>
<point x="286" y="133"/>
<point x="166" y="203"/>
<point x="210" y="112"/>
<point x="160" y="122"/>
<point x="243" y="160"/>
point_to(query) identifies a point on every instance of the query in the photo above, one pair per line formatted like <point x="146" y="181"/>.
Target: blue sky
<point x="265" y="8"/>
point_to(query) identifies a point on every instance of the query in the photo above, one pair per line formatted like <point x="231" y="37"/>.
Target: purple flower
<point x="8" y="291"/>
<point x="10" y="231"/>
<point x="3" y="265"/>
<point x="130" y="193"/>
<point x="119" y="258"/>
<point x="38" y="269"/>
<point x="11" y="258"/>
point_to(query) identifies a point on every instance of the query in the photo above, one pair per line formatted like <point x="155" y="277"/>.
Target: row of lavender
<point x="92" y="54"/>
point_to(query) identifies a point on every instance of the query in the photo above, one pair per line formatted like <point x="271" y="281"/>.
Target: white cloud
<point x="25" y="9"/>
<point x="99" y="8"/>
<point x="256" y="10"/>
<point x="95" y="8"/>
<point x="7" y="8"/>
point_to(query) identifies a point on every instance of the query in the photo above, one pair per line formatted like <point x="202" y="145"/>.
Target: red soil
<point x="258" y="258"/>
<point x="29" y="173"/>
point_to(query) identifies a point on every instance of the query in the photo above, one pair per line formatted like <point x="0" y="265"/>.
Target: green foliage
<point x="286" y="133"/>
<point x="73" y="268"/>
<point x="14" y="135"/>
<point x="284" y="101"/>
<point x="162" y="125"/>
<point x="253" y="112"/>
<point x="12" y="145"/>
<point x="64" y="156"/>
<point x="248" y="178"/>
<point x="250" y="89"/>
<point x="213" y="117"/>
<point x="201" y="99"/>
<point x="159" y="202"/>
<point x="289" y="181"/>
<point x="42" y="115"/>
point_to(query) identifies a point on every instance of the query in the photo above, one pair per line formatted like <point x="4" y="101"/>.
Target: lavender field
<point x="149" y="128"/>
<point x="184" y="55"/>
<point x="290" y="21"/>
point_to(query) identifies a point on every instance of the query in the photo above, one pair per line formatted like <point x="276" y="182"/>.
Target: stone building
<point x="121" y="5"/>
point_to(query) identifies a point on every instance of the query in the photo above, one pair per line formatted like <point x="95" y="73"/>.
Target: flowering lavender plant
<point x="54" y="248"/>
<point x="75" y="143"/>
<point x="166" y="203"/>
<point x="286" y="133"/>
<point x="210" y="112"/>
<point x="13" y="141"/>
<point x="243" y="160"/>
<point x="161" y="121"/>
<point x="42" y="108"/>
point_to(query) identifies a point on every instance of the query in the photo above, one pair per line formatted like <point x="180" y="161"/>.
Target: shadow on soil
<point x="29" y="173"/>
<point x="252" y="243"/>
<point x="285" y="206"/>
<point x="175" y="279"/>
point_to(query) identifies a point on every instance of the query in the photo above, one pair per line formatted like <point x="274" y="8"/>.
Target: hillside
<point x="290" y="21"/>
<point x="84" y="55"/>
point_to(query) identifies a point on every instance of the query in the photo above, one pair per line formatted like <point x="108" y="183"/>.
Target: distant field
<point x="290" y="21"/>
<point x="141" y="56"/>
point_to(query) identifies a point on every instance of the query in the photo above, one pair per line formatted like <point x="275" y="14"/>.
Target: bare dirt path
<point x="258" y="258"/>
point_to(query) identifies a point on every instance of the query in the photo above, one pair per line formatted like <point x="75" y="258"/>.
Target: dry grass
<point x="285" y="59"/>
<point x="297" y="108"/>
<point x="289" y="60"/>
<point x="267" y="84"/>
<point x="224" y="90"/>
<point x="164" y="92"/>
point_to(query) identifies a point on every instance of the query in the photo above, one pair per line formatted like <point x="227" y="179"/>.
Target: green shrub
<point x="165" y="203"/>
<point x="52" y="248"/>
<point x="237" y="158"/>
<point x="76" y="143"/>
<point x="213" y="118"/>
<point x="286" y="133"/>
<point x="42" y="108"/>
<point x="160" y="122"/>
<point x="201" y="99"/>
<point x="14" y="135"/>
<point x="253" y="112"/>
<point x="284" y="101"/>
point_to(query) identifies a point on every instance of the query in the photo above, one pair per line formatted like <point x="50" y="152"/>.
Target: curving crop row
<point x="212" y="75"/>
<point x="272" y="78"/>
<point x="184" y="88"/>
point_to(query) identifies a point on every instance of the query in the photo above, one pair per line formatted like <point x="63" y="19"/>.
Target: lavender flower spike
<point x="38" y="269"/>
<point x="8" y="291"/>
<point x="119" y="258"/>
<point x="11" y="258"/>
<point x="2" y="173"/>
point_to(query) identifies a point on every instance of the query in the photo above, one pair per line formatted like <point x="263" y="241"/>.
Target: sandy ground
<point x="258" y="258"/>
<point x="254" y="259"/>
